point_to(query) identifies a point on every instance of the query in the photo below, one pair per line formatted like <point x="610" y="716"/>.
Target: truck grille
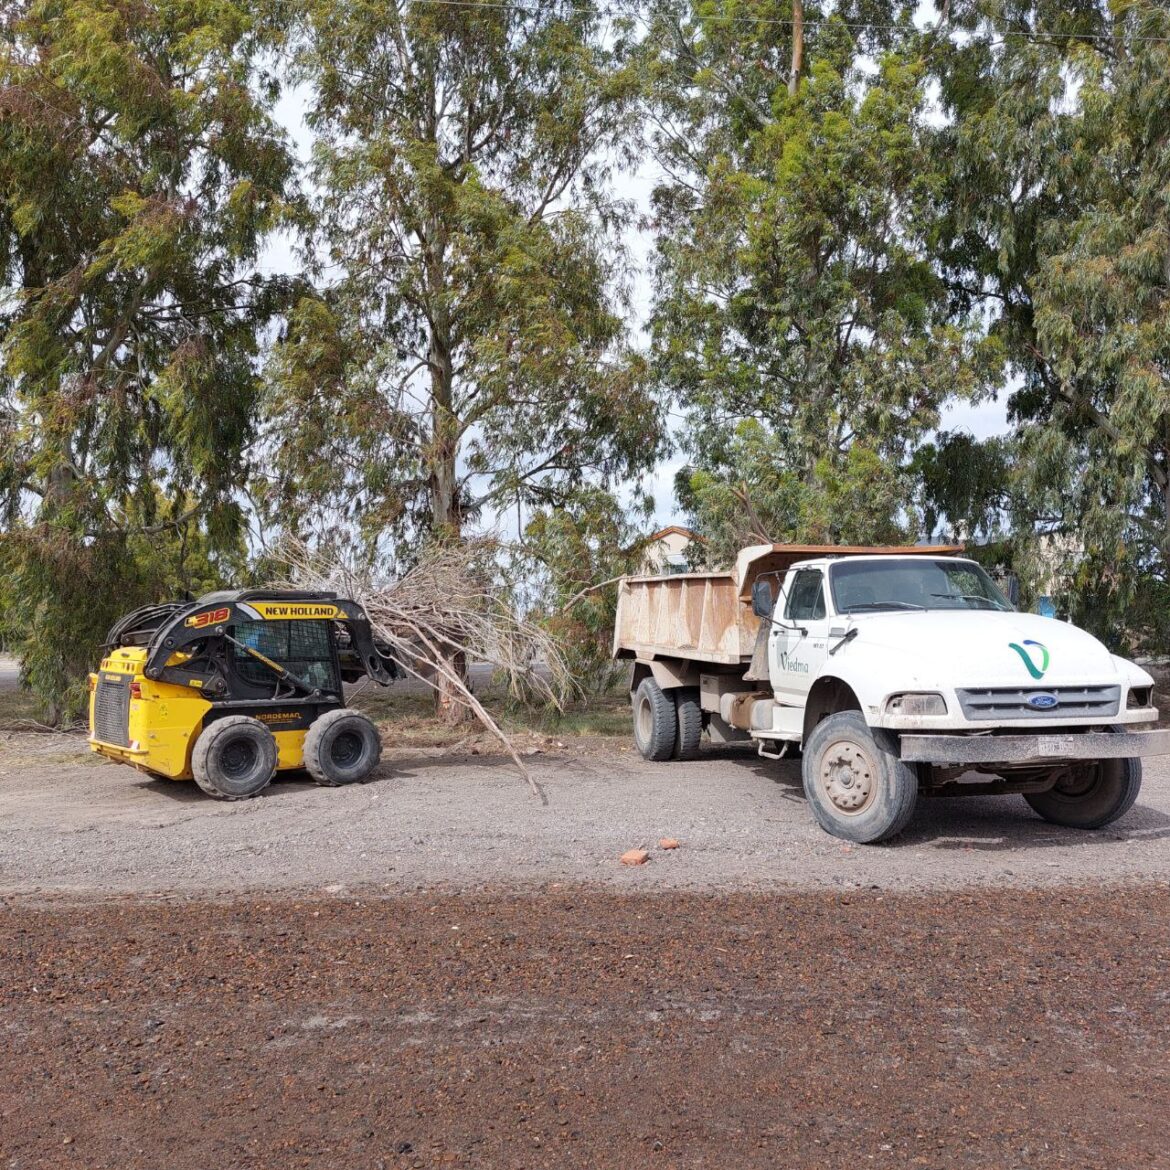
<point x="111" y="711"/>
<point x="1094" y="703"/>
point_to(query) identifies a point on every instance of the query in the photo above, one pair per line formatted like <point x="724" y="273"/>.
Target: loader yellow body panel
<point x="153" y="726"/>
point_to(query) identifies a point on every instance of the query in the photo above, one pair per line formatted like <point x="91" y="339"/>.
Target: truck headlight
<point x="916" y="704"/>
<point x="1140" y="697"/>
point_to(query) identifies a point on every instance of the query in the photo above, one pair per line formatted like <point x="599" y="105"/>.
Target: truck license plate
<point x="1056" y="745"/>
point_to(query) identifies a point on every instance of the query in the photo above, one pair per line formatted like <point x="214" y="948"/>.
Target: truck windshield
<point x="908" y="584"/>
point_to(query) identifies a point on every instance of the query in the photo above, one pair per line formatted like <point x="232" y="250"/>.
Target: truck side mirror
<point x="762" y="603"/>
<point x="1013" y="589"/>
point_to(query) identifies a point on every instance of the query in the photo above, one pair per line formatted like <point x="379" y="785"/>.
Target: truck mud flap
<point x="1027" y="749"/>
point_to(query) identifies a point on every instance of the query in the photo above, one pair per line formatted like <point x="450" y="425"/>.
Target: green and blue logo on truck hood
<point x="1037" y="672"/>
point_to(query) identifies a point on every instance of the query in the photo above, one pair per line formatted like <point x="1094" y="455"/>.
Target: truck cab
<point x="932" y="644"/>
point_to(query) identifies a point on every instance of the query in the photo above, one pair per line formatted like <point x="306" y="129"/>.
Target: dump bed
<point x="707" y="617"/>
<point x="689" y="615"/>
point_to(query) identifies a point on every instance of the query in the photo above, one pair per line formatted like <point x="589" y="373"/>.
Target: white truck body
<point x="951" y="680"/>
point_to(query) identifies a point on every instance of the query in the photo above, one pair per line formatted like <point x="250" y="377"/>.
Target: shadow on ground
<point x="984" y="823"/>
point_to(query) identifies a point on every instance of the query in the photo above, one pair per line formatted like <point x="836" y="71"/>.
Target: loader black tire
<point x="342" y="747"/>
<point x="858" y="789"/>
<point x="690" y="723"/>
<point x="234" y="758"/>
<point x="655" y="721"/>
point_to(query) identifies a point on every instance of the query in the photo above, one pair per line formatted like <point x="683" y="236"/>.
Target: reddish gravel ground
<point x="575" y="1027"/>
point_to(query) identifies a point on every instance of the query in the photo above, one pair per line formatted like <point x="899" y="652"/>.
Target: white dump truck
<point x="898" y="672"/>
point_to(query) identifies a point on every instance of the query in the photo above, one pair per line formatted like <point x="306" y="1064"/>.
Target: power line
<point x="1037" y="35"/>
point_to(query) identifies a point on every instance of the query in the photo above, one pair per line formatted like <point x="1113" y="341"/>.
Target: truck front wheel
<point x="655" y="721"/>
<point x="1091" y="796"/>
<point x="856" y="789"/>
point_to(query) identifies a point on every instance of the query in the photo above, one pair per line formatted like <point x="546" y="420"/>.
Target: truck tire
<point x="690" y="723"/>
<point x="857" y="789"/>
<point x="655" y="721"/>
<point x="234" y="758"/>
<point x="1093" y="798"/>
<point x="342" y="747"/>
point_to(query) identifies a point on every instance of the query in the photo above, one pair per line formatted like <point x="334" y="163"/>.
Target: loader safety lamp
<point x="916" y="704"/>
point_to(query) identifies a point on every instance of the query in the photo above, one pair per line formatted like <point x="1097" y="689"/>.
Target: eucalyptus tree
<point x="800" y="317"/>
<point x="141" y="172"/>
<point x="1055" y="227"/>
<point x="468" y="350"/>
<point x="1103" y="304"/>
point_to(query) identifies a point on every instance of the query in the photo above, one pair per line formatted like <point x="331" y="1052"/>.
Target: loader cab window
<point x="806" y="598"/>
<point x="304" y="648"/>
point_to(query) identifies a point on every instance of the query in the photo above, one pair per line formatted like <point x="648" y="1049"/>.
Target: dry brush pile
<point x="446" y="610"/>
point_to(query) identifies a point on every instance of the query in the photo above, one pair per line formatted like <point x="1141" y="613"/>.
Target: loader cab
<point x="306" y="649"/>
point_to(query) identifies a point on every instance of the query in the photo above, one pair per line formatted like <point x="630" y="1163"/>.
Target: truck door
<point x="799" y="637"/>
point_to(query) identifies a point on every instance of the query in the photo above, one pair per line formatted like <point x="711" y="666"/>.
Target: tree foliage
<point x="141" y="173"/>
<point x="797" y="287"/>
<point x="1054" y="227"/>
<point x="752" y="496"/>
<point x="1103" y="304"/>
<point x="572" y="553"/>
<point x="469" y="353"/>
<point x="866" y="211"/>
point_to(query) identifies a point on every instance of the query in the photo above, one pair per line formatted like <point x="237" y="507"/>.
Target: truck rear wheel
<point x="856" y="789"/>
<point x="234" y="758"/>
<point x="655" y="721"/>
<point x="342" y="747"/>
<point x="1090" y="797"/>
<point x="690" y="723"/>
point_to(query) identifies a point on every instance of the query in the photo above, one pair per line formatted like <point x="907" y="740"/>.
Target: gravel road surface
<point x="72" y="822"/>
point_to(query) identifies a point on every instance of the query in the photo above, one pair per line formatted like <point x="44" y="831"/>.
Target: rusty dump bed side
<point x="690" y="615"/>
<point x="707" y="617"/>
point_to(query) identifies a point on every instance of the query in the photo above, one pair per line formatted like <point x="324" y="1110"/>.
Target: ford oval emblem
<point x="1043" y="701"/>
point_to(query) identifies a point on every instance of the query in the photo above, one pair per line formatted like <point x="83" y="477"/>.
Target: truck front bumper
<point x="1033" y="749"/>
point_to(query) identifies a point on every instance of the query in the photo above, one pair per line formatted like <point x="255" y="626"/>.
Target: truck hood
<point x="990" y="648"/>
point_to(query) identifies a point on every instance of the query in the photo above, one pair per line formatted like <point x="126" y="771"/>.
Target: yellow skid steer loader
<point x="234" y="687"/>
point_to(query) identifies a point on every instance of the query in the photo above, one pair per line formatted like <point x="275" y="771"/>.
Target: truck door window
<point x="806" y="598"/>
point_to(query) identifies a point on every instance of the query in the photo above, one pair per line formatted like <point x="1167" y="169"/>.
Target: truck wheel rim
<point x="847" y="777"/>
<point x="645" y="721"/>
<point x="1077" y="783"/>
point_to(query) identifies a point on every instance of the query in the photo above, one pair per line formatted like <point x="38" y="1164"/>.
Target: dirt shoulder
<point x="72" y="823"/>
<point x="583" y="1028"/>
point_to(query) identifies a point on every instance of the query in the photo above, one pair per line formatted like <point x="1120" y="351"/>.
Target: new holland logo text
<point x="286" y="610"/>
<point x="1035" y="671"/>
<point x="788" y="662"/>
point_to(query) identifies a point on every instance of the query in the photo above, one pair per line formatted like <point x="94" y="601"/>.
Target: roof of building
<point x="674" y="530"/>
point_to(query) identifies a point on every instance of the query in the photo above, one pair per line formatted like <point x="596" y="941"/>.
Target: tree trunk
<point x="446" y="507"/>
<point x="797" y="47"/>
<point x="1166" y="509"/>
